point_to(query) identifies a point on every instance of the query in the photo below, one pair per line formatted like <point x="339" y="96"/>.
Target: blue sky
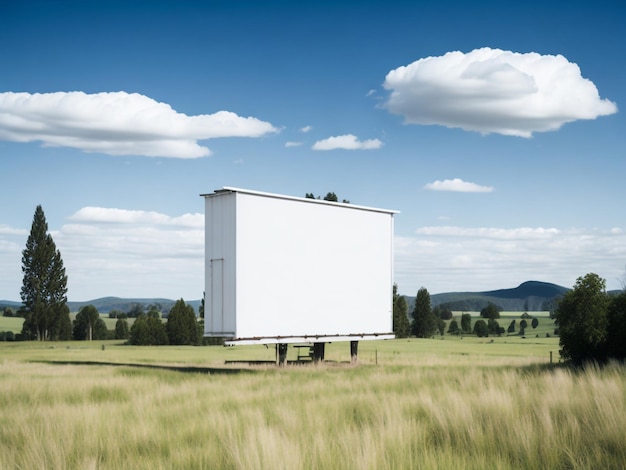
<point x="495" y="128"/>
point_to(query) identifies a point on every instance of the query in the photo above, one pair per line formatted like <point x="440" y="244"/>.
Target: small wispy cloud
<point x="347" y="142"/>
<point x="293" y="144"/>
<point x="306" y="129"/>
<point x="457" y="185"/>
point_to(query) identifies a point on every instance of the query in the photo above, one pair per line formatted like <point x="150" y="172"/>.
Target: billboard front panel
<point x="306" y="268"/>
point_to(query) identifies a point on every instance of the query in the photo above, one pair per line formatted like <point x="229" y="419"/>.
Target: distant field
<point x="13" y="324"/>
<point x="419" y="403"/>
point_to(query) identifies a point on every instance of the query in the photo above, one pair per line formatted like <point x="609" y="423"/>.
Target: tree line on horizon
<point x="590" y="322"/>
<point x="426" y="321"/>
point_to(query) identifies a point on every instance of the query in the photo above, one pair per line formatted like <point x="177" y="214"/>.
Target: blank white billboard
<point x="280" y="267"/>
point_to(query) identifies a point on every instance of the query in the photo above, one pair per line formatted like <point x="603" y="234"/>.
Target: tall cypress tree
<point x="424" y="321"/>
<point x="182" y="325"/>
<point x="44" y="288"/>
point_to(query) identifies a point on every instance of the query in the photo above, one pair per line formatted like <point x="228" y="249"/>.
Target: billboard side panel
<point x="306" y="268"/>
<point x="219" y="290"/>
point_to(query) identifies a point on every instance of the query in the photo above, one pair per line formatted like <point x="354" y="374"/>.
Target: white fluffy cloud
<point x="446" y="258"/>
<point x="347" y="142"/>
<point x="117" y="123"/>
<point x="494" y="91"/>
<point x="457" y="185"/>
<point x="125" y="216"/>
<point x="132" y="253"/>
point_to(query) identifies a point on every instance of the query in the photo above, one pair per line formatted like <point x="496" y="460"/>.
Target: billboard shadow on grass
<point x="171" y="368"/>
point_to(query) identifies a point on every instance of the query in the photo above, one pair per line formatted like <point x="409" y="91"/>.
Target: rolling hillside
<point x="529" y="296"/>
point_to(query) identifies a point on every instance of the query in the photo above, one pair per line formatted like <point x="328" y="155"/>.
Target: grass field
<point x="454" y="403"/>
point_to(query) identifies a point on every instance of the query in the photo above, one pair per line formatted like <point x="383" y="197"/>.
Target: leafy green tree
<point x="616" y="328"/>
<point x="201" y="307"/>
<point x="453" y="329"/>
<point x="115" y="313"/>
<point x="481" y="329"/>
<point x="8" y="312"/>
<point x="44" y="287"/>
<point x="534" y="323"/>
<point x="88" y="325"/>
<point x="135" y="311"/>
<point x="329" y="197"/>
<point x="491" y="311"/>
<point x="401" y="326"/>
<point x="154" y="313"/>
<point x="424" y="322"/>
<point x="466" y="323"/>
<point x="523" y="324"/>
<point x="493" y="327"/>
<point x="582" y="320"/>
<point x="121" y="329"/>
<point x="148" y="331"/>
<point x="441" y="326"/>
<point x="182" y="325"/>
<point x="7" y="336"/>
<point x="442" y="312"/>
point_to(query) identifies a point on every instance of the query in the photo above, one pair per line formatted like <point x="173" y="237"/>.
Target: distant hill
<point x="529" y="296"/>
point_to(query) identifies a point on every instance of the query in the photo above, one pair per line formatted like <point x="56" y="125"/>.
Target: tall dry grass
<point x="437" y="414"/>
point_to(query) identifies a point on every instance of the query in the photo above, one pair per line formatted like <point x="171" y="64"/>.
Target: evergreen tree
<point x="121" y="329"/>
<point x="511" y="328"/>
<point x="201" y="307"/>
<point x="453" y="329"/>
<point x="44" y="287"/>
<point x="182" y="325"/>
<point x="424" y="321"/>
<point x="401" y="325"/>
<point x="466" y="323"/>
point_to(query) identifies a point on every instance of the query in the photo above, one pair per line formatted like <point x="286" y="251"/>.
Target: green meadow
<point x="470" y="403"/>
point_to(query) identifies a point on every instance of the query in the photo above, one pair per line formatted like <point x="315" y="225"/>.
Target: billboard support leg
<point x="354" y="350"/>
<point x="281" y="354"/>
<point x="318" y="352"/>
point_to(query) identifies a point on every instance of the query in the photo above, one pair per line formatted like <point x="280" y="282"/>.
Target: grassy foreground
<point x="462" y="404"/>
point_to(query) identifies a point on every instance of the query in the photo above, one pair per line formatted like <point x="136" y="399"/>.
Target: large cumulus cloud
<point x="117" y="123"/>
<point x="494" y="91"/>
